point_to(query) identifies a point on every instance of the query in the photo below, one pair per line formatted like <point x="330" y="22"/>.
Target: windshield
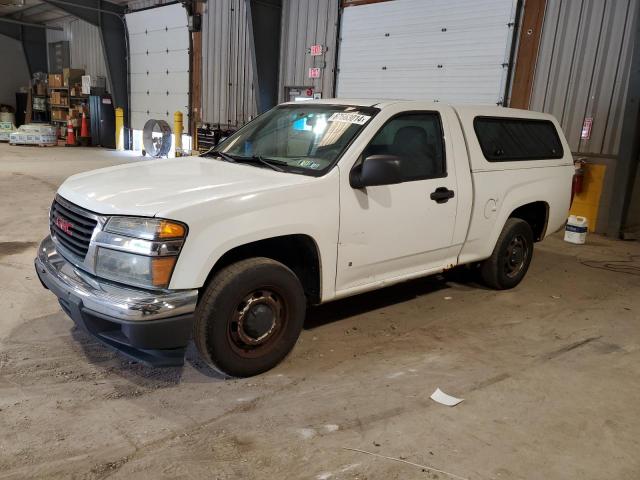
<point x="304" y="138"/>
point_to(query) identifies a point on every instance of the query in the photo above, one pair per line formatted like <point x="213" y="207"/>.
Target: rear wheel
<point x="511" y="256"/>
<point x="249" y="317"/>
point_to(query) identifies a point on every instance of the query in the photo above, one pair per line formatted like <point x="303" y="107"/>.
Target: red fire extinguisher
<point x="578" y="177"/>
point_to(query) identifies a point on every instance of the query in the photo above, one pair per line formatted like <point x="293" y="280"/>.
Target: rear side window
<point x="515" y="139"/>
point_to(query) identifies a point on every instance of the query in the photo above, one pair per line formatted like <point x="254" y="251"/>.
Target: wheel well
<point x="298" y="252"/>
<point x="536" y="215"/>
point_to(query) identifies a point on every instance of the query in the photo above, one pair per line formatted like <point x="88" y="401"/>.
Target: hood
<point x="156" y="187"/>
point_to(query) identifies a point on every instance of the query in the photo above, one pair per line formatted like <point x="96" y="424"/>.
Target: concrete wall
<point x="16" y="73"/>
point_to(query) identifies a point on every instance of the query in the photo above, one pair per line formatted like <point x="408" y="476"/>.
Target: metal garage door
<point x="159" y="49"/>
<point x="444" y="50"/>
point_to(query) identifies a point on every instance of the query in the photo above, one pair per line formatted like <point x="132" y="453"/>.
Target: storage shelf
<point x="58" y="88"/>
<point x="53" y="105"/>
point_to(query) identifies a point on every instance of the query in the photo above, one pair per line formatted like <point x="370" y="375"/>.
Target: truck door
<point x="390" y="232"/>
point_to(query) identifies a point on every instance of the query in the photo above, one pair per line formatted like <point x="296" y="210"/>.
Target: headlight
<point x="139" y="251"/>
<point x="132" y="269"/>
<point x="147" y="228"/>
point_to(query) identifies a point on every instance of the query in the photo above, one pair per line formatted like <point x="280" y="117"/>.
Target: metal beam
<point x="29" y="24"/>
<point x="628" y="155"/>
<point x="528" y="45"/>
<point x="92" y="9"/>
<point x="34" y="44"/>
<point x="28" y="11"/>
<point x="10" y="30"/>
<point x="109" y="18"/>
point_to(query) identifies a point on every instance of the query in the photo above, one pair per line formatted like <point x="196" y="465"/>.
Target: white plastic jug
<point x="576" y="229"/>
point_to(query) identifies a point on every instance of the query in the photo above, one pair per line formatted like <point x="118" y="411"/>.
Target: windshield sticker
<point x="308" y="164"/>
<point x="356" y="118"/>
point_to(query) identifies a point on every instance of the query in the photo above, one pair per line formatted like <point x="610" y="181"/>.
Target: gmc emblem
<point x="63" y="225"/>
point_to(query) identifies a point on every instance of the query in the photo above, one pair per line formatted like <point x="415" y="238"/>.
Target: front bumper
<point x="151" y="327"/>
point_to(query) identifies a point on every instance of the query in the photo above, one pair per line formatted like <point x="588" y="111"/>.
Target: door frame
<point x="455" y="158"/>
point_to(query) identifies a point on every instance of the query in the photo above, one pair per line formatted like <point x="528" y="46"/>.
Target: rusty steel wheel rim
<point x="516" y="256"/>
<point x="258" y="322"/>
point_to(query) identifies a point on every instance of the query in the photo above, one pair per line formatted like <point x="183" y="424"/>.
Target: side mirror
<point x="376" y="170"/>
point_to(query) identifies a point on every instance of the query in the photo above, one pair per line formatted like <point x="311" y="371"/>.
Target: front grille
<point x="77" y="228"/>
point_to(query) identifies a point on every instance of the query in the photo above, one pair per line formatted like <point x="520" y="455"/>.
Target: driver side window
<point x="417" y="140"/>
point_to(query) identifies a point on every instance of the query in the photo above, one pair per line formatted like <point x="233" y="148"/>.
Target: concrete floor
<point x="549" y="373"/>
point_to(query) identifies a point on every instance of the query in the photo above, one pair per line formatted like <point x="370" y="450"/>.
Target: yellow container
<point x="587" y="202"/>
<point x="119" y="128"/>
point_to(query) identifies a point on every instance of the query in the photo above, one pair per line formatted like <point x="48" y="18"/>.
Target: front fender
<point x="220" y="225"/>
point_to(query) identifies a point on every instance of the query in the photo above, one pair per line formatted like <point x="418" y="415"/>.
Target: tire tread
<point x="217" y="284"/>
<point x="490" y="268"/>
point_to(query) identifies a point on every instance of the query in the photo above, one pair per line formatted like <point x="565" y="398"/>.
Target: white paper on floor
<point x="441" y="397"/>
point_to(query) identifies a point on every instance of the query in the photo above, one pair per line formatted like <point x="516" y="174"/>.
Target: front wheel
<point x="509" y="262"/>
<point x="250" y="317"/>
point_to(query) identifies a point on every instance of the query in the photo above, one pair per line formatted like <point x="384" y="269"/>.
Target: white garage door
<point x="439" y="50"/>
<point x="159" y="48"/>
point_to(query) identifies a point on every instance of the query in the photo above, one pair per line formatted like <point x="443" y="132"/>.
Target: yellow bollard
<point x="119" y="128"/>
<point x="177" y="132"/>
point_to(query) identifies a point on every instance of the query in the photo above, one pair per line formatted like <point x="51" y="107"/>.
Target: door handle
<point x="442" y="195"/>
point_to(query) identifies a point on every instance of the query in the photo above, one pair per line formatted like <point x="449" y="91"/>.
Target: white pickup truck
<point x="308" y="203"/>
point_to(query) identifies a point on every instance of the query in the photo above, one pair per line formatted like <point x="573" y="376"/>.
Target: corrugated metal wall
<point x="305" y="23"/>
<point x="582" y="72"/>
<point x="583" y="69"/>
<point x="85" y="46"/>
<point x="228" y="96"/>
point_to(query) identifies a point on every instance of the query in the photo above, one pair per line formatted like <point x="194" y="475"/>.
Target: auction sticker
<point x="356" y="118"/>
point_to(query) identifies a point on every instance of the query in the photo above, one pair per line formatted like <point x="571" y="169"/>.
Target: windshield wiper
<point x="269" y="162"/>
<point x="224" y="156"/>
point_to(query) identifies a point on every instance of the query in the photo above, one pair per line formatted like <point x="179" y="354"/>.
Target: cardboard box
<point x="71" y="76"/>
<point x="55" y="80"/>
<point x="58" y="98"/>
<point x="57" y="114"/>
<point x="93" y="81"/>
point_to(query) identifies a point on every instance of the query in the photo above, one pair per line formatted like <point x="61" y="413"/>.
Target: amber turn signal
<point x="161" y="269"/>
<point x="167" y="229"/>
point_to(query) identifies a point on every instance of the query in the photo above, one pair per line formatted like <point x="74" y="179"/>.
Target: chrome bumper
<point x="66" y="280"/>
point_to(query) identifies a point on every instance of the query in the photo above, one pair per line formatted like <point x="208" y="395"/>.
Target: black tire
<point x="264" y="294"/>
<point x="511" y="257"/>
